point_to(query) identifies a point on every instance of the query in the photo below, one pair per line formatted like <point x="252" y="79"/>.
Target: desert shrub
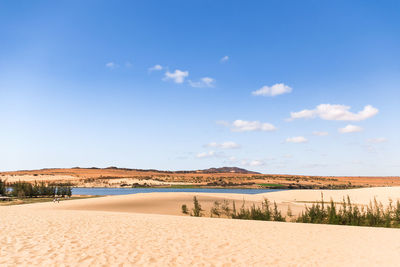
<point x="233" y="214"/>
<point x="332" y="214"/>
<point x="216" y="209"/>
<point x="184" y="209"/>
<point x="348" y="213"/>
<point x="243" y="213"/>
<point x="277" y="215"/>
<point x="396" y="214"/>
<point x="262" y="213"/>
<point x="226" y="210"/>
<point x="313" y="214"/>
<point x="197" y="210"/>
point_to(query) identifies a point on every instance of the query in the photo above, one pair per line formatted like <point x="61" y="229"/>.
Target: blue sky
<point x="299" y="87"/>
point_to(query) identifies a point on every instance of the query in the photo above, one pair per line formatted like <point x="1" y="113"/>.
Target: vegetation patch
<point x="344" y="213"/>
<point x="179" y="186"/>
<point x="272" y="185"/>
<point x="25" y="193"/>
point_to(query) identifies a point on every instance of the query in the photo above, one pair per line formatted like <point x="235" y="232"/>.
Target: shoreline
<point x="233" y="187"/>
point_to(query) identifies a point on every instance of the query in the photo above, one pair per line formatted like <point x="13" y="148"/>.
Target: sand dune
<point x="109" y="232"/>
<point x="170" y="203"/>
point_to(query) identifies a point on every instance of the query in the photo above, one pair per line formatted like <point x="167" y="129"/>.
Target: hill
<point x="227" y="170"/>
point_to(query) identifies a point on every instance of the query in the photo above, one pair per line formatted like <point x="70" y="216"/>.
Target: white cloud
<point x="229" y="145"/>
<point x="276" y="89"/>
<point x="212" y="144"/>
<point x="249" y="126"/>
<point x="155" y="67"/>
<point x="320" y="133"/>
<point x="208" y="154"/>
<point x="204" y="82"/>
<point x="335" y="112"/>
<point x="306" y="113"/>
<point x="224" y="59"/>
<point x="252" y="163"/>
<point x="177" y="76"/>
<point x="255" y="163"/>
<point x="224" y="145"/>
<point x="111" y="65"/>
<point x="350" y="129"/>
<point x="296" y="139"/>
<point x="377" y="140"/>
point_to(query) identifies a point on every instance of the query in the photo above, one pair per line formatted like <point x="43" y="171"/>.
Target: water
<point x="99" y="191"/>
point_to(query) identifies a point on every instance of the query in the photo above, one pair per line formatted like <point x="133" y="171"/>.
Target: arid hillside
<point x="213" y="177"/>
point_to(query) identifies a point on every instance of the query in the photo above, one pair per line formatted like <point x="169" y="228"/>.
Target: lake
<point x="99" y="191"/>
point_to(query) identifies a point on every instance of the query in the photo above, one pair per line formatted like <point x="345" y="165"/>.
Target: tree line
<point x="37" y="189"/>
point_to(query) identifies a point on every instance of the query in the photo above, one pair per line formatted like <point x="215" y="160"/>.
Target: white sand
<point x="359" y="196"/>
<point x="88" y="232"/>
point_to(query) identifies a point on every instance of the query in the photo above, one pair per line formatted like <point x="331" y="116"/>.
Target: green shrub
<point x="216" y="209"/>
<point x="184" y="209"/>
<point x="226" y="210"/>
<point x="262" y="213"/>
<point x="276" y="215"/>
<point x="347" y="214"/>
<point x="197" y="211"/>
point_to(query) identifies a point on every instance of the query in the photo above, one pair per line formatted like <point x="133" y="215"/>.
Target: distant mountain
<point x="227" y="170"/>
<point x="117" y="169"/>
<point x="210" y="170"/>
